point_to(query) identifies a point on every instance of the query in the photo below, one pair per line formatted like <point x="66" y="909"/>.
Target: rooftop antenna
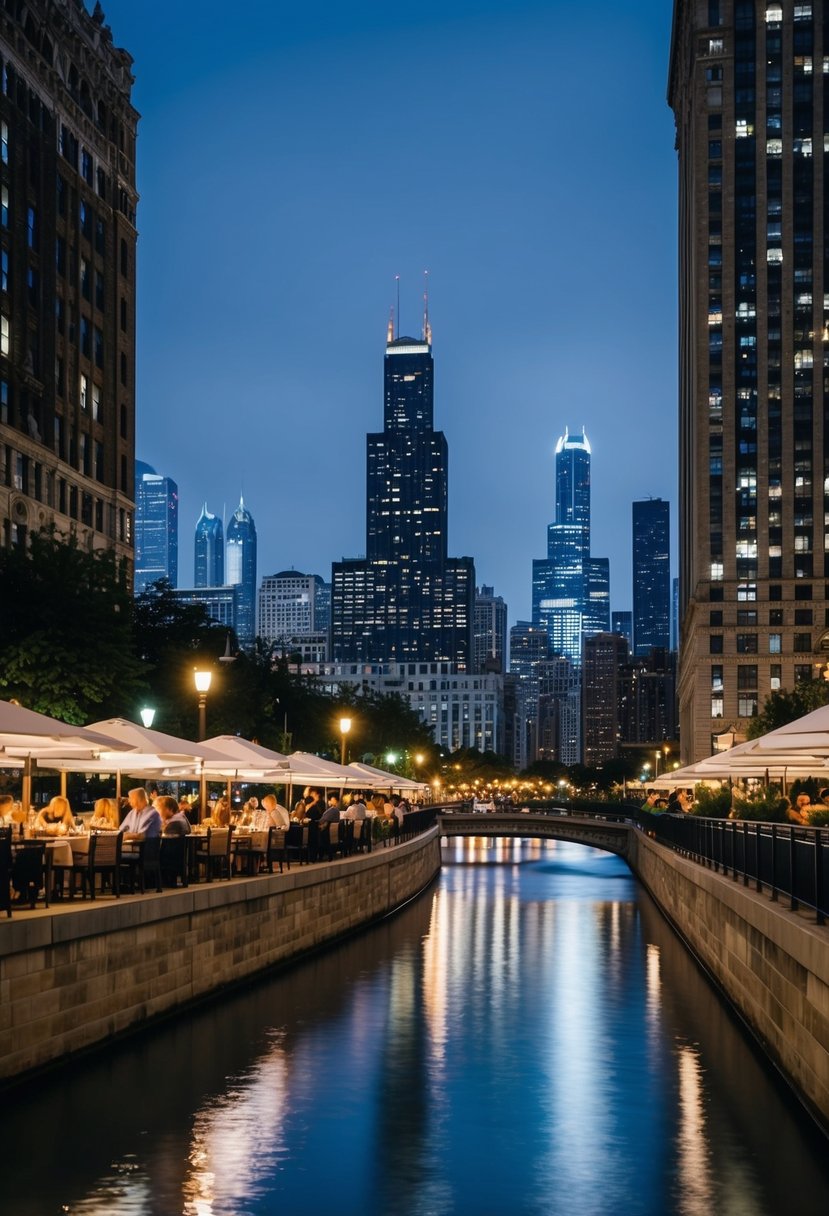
<point x="390" y="328"/>
<point x="397" y="278"/>
<point x="427" y="329"/>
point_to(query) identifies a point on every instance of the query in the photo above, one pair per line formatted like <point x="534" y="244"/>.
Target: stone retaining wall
<point x="74" y="977"/>
<point x="772" y="964"/>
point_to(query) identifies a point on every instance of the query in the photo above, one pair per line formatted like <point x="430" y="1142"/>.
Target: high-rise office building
<point x="209" y="558"/>
<point x="67" y="279"/>
<point x="322" y="605"/>
<point x="240" y="549"/>
<point x="622" y="623"/>
<point x="406" y="600"/>
<point x="605" y="655"/>
<point x="747" y="90"/>
<point x="489" y="631"/>
<point x="287" y="605"/>
<point x="529" y="647"/>
<point x="651" y="575"/>
<point x="675" y="614"/>
<point x="596" y="596"/>
<point x="156" y="528"/>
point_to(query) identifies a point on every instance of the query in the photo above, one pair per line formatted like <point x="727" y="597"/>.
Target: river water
<point x="528" y="1037"/>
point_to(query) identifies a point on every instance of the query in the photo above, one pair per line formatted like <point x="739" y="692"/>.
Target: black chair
<point x="174" y="861"/>
<point x="104" y="858"/>
<point x="6" y="870"/>
<point x="297" y="842"/>
<point x="361" y="836"/>
<point x="31" y="871"/>
<point x="143" y="861"/>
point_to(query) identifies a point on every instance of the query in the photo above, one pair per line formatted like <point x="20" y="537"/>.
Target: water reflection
<point x="529" y="1037"/>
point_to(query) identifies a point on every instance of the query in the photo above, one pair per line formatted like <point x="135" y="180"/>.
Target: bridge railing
<point x="614" y="812"/>
<point x="783" y="859"/>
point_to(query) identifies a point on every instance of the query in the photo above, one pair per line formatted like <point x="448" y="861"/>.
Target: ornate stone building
<point x="67" y="276"/>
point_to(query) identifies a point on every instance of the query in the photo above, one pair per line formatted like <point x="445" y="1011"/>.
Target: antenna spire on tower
<point x="397" y="280"/>
<point x="390" y="327"/>
<point x="427" y="328"/>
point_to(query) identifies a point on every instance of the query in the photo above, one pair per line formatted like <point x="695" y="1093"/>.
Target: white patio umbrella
<point x="31" y="737"/>
<point x="392" y="781"/>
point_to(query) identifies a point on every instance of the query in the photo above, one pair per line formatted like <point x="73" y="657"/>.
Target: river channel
<point x="528" y="1038"/>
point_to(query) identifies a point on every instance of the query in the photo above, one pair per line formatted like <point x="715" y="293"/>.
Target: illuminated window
<point x="774" y="14"/>
<point x="775" y="643"/>
<point x="774" y="255"/>
<point x="5" y="335"/>
<point x="774" y="147"/>
<point x="4" y="142"/>
<point x="776" y="676"/>
<point x="716" y="707"/>
<point x="747" y="705"/>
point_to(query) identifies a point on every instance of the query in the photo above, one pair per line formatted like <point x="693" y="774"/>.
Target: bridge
<point x="609" y="830"/>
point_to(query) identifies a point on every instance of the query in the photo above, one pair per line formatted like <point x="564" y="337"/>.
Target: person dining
<point x="270" y="815"/>
<point x="220" y="817"/>
<point x="104" y="816"/>
<point x="56" y="819"/>
<point x="173" y="821"/>
<point x="142" y="820"/>
<point x="313" y="805"/>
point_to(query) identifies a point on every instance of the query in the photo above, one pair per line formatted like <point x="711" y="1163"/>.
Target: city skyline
<point x="529" y="328"/>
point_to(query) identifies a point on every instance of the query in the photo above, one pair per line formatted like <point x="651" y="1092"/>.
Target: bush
<point x="711" y="803"/>
<point x="819" y="817"/>
<point x="763" y="805"/>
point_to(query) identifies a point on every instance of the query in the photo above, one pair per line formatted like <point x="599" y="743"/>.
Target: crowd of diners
<point x="146" y="814"/>
<point x="800" y="811"/>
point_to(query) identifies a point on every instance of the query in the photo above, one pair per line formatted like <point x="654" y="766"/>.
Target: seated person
<point x="143" y="820"/>
<point x="173" y="821"/>
<point x="56" y="819"/>
<point x="331" y="814"/>
<point x="6" y="808"/>
<point x="271" y="815"/>
<point x="799" y="813"/>
<point x="104" y="816"/>
<point x="356" y="809"/>
<point x="313" y="806"/>
<point x="220" y="817"/>
<point x="298" y="813"/>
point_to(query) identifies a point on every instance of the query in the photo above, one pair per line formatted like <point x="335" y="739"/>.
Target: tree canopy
<point x="787" y="705"/>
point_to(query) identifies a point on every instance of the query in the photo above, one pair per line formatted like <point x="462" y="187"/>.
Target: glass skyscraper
<point x="156" y="528"/>
<point x="651" y="575"/>
<point x="406" y="599"/>
<point x="209" y="560"/>
<point x="748" y="87"/>
<point x="241" y="570"/>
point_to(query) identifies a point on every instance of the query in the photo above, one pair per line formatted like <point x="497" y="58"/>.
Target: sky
<point x="293" y="158"/>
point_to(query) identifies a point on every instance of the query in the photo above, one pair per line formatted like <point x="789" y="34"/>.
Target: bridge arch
<point x="611" y="833"/>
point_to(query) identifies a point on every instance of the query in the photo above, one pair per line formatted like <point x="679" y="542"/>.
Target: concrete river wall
<point x="772" y="964"/>
<point x="74" y="977"/>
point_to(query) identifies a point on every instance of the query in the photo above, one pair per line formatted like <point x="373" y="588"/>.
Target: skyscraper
<point x="747" y="90"/>
<point x="406" y="599"/>
<point x="209" y="560"/>
<point x="489" y="631"/>
<point x="622" y="623"/>
<point x="241" y="570"/>
<point x="651" y="575"/>
<point x="605" y="655"/>
<point x="67" y="281"/>
<point x="156" y="528"/>
<point x="287" y="605"/>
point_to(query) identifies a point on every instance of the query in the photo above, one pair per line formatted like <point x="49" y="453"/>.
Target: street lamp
<point x="202" y="680"/>
<point x="147" y="717"/>
<point x="657" y="754"/>
<point x="391" y="757"/>
<point x="345" y="727"/>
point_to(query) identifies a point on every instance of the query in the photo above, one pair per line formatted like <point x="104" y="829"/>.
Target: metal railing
<point x="782" y="859"/>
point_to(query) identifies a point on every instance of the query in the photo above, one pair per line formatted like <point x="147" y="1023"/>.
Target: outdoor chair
<point x="297" y="842"/>
<point x="215" y="855"/>
<point x="5" y="870"/>
<point x="173" y="861"/>
<point x="143" y="862"/>
<point x="31" y="871"/>
<point x="104" y="858"/>
<point x="276" y="850"/>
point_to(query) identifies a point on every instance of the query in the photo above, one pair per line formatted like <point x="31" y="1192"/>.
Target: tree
<point x="66" y="630"/>
<point x="787" y="705"/>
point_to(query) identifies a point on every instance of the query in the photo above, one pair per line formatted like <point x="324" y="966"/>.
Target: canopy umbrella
<point x="388" y="780"/>
<point x="315" y="770"/>
<point x="32" y="737"/>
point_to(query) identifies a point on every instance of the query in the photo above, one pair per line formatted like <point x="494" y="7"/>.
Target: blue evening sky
<point x="293" y="158"/>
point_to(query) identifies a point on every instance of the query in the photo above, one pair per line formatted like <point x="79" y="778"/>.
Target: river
<point x="528" y="1038"/>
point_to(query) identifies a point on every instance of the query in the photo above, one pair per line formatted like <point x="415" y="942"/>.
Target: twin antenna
<point x="393" y="331"/>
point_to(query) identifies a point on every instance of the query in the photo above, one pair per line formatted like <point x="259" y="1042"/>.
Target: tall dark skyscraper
<point x="209" y="559"/>
<point x="240" y="551"/>
<point x="156" y="527"/>
<point x="67" y="282"/>
<point x="747" y="87"/>
<point x="490" y="631"/>
<point x="651" y="575"/>
<point x="406" y="599"/>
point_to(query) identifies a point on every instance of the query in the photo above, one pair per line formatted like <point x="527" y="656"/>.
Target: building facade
<point x="287" y="605"/>
<point x="156" y="528"/>
<point x="489" y="631"/>
<point x="622" y="622"/>
<point x="67" y="277"/>
<point x="221" y="603"/>
<point x="406" y="600"/>
<point x="209" y="550"/>
<point x="240" y="553"/>
<point x="605" y="655"/>
<point x="651" y="575"/>
<point x="747" y="84"/>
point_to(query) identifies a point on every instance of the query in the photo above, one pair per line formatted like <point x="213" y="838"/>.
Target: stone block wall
<point x="74" y="976"/>
<point x="772" y="963"/>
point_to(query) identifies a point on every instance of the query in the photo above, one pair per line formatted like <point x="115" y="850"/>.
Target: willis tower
<point x="406" y="600"/>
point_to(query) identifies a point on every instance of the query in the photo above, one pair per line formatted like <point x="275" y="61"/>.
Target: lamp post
<point x="657" y="754"/>
<point x="202" y="680"/>
<point x="147" y="716"/>
<point x="345" y="727"/>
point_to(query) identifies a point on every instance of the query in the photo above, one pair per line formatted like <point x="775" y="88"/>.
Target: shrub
<point x="763" y="805"/>
<point x="711" y="803"/>
<point x="819" y="817"/>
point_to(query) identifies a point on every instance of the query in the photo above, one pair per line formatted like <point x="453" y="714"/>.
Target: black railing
<point x="782" y="859"/>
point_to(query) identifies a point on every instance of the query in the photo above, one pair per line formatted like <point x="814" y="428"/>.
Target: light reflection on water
<point x="528" y="1037"/>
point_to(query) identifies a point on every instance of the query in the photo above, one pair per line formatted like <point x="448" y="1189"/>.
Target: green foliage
<point x="763" y="805"/>
<point x="66" y="630"/>
<point x="787" y="705"/>
<point x="819" y="817"/>
<point x="711" y="802"/>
